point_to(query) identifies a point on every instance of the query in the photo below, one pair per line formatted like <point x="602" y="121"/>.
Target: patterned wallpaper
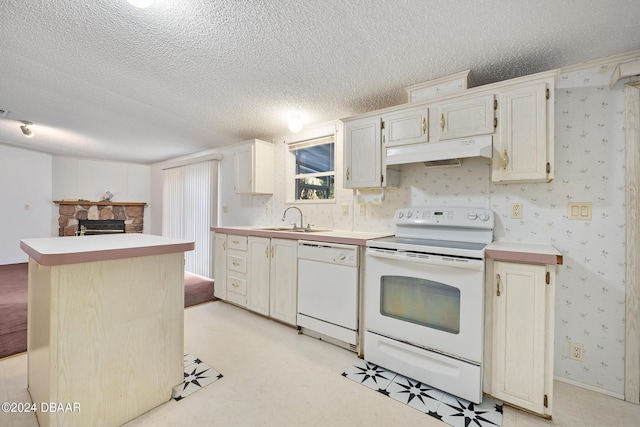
<point x="589" y="167"/>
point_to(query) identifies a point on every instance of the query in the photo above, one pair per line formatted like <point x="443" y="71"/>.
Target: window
<point x="314" y="168"/>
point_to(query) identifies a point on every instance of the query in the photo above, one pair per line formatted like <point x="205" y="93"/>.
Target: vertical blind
<point x="189" y="209"/>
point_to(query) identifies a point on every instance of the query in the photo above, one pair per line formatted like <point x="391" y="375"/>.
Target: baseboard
<point x="589" y="387"/>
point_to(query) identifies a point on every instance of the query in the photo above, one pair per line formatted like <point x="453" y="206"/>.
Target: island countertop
<point x="77" y="249"/>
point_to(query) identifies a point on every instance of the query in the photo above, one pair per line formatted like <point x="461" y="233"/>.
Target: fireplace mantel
<point x="102" y="203"/>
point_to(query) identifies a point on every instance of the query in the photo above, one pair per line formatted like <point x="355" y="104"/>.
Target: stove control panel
<point x="445" y="216"/>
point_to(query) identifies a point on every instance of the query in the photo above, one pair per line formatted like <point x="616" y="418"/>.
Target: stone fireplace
<point x="72" y="211"/>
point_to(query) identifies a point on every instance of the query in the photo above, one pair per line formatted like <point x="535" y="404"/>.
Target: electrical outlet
<point x="576" y="351"/>
<point x="363" y="209"/>
<point x="345" y="209"/>
<point x="516" y="210"/>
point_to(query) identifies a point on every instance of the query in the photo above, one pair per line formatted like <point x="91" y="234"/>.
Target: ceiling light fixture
<point x="295" y="124"/>
<point x="25" y="130"/>
<point x="141" y="4"/>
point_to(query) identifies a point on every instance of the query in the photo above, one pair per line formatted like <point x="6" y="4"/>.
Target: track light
<point x="25" y="130"/>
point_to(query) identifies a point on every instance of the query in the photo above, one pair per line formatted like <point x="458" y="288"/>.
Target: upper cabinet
<point x="517" y="114"/>
<point x="523" y="150"/>
<point x="467" y="116"/>
<point x="408" y="126"/>
<point x="253" y="168"/>
<point x="363" y="155"/>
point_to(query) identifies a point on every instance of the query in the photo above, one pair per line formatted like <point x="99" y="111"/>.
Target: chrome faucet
<point x="294" y="224"/>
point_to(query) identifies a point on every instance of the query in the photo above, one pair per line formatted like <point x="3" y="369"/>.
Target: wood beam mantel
<point x="101" y="203"/>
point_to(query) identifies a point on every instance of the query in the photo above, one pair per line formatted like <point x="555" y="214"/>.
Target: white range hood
<point x="442" y="153"/>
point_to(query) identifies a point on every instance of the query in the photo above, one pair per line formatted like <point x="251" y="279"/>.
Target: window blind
<point x="189" y="210"/>
<point x="293" y="146"/>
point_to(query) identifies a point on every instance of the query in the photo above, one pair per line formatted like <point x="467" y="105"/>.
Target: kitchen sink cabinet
<point x="260" y="274"/>
<point x="253" y="168"/>
<point x="467" y="116"/>
<point x="283" y="277"/>
<point x="363" y="155"/>
<point x="520" y="335"/>
<point x="523" y="147"/>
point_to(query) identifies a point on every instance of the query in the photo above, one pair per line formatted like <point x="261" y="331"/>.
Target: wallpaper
<point x="589" y="167"/>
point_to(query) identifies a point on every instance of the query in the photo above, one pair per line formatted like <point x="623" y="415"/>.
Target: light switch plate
<point x="580" y="211"/>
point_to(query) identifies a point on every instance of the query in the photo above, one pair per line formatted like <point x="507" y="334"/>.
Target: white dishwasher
<point x="328" y="296"/>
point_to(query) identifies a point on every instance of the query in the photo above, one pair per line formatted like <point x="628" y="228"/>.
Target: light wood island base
<point x="106" y="337"/>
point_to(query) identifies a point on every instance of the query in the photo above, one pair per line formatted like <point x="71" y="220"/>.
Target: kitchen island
<point x="105" y="326"/>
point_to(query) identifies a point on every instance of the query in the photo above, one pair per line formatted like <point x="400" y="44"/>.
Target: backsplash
<point x="589" y="167"/>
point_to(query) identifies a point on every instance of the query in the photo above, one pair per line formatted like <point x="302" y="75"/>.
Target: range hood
<point x="442" y="153"/>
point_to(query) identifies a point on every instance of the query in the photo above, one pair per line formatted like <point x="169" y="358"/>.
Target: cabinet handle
<point x="236" y="263"/>
<point x="424" y="125"/>
<point x="224" y="245"/>
<point x="442" y="122"/>
<point x="498" y="285"/>
<point x="348" y="174"/>
<point x="266" y="251"/>
<point x="235" y="285"/>
<point x="273" y="251"/>
<point x="250" y="180"/>
<point x="505" y="159"/>
<point x="236" y="242"/>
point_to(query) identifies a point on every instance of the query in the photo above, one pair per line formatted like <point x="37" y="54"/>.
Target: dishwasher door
<point x="328" y="289"/>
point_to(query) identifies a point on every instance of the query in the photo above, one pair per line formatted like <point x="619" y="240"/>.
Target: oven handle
<point x="445" y="261"/>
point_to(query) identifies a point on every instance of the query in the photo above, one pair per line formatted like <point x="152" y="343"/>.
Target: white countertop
<point x="333" y="236"/>
<point x="77" y="249"/>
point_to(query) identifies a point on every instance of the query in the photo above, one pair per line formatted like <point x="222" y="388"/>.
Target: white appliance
<point x="440" y="153"/>
<point x="328" y="292"/>
<point x="424" y="297"/>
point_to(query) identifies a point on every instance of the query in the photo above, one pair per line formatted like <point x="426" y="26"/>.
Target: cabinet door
<point x="468" y="117"/>
<point x="258" y="275"/>
<point x="243" y="169"/>
<point x="408" y="126"/>
<point x="363" y="153"/>
<point x="220" y="266"/>
<point x="284" y="280"/>
<point x="522" y="147"/>
<point x="518" y="350"/>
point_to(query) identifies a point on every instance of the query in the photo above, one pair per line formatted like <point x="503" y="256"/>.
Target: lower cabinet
<point x="220" y="266"/>
<point x="284" y="280"/>
<point x="521" y="360"/>
<point x="258" y="276"/>
<point x="261" y="274"/>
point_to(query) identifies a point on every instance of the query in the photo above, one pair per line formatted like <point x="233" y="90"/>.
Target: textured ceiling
<point x="102" y="79"/>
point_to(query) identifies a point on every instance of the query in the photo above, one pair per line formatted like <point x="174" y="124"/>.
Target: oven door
<point x="430" y="301"/>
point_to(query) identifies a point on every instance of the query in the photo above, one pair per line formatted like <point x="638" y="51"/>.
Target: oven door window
<point x="423" y="302"/>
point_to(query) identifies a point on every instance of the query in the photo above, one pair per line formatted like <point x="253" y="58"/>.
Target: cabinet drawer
<point x="237" y="285"/>
<point x="237" y="261"/>
<point x="237" y="242"/>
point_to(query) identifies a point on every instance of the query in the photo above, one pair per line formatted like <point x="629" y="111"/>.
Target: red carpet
<point x="13" y="309"/>
<point x="13" y="304"/>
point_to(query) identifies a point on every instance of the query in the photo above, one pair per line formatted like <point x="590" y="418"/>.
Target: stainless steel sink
<point x="293" y="230"/>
